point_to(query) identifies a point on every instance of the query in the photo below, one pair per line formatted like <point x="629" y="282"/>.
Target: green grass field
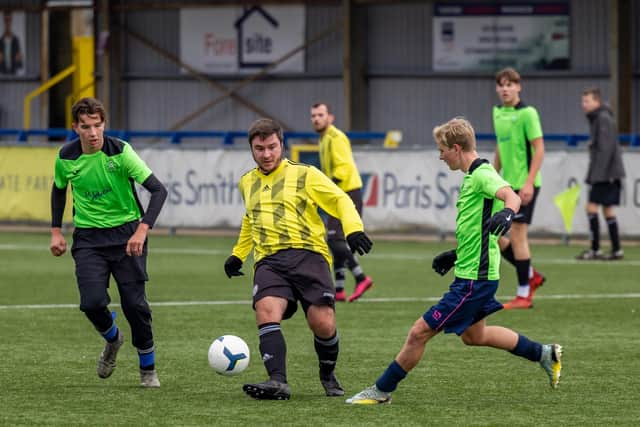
<point x="48" y="349"/>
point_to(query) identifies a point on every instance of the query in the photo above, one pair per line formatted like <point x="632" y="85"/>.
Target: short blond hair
<point x="456" y="131"/>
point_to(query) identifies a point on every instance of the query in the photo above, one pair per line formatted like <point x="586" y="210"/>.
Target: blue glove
<point x="360" y="242"/>
<point x="444" y="262"/>
<point x="500" y="222"/>
<point x="232" y="266"/>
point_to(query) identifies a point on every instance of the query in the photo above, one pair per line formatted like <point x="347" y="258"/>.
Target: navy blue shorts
<point x="467" y="302"/>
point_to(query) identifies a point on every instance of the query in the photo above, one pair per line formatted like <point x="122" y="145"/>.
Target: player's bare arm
<point x="509" y="197"/>
<point x="496" y="161"/>
<point x="526" y="192"/>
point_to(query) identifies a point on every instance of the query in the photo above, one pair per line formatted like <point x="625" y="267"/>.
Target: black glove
<point x="500" y="222"/>
<point x="442" y="263"/>
<point x="232" y="266"/>
<point x="358" y="241"/>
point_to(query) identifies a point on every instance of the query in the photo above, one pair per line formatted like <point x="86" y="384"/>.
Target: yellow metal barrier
<point x="40" y="90"/>
<point x="83" y="82"/>
<point x="83" y="58"/>
<point x="305" y="153"/>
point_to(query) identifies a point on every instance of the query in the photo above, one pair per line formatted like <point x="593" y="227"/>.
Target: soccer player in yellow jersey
<point x="336" y="161"/>
<point x="282" y="225"/>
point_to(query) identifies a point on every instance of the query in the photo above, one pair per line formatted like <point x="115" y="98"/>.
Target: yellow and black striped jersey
<point x="336" y="159"/>
<point x="282" y="211"/>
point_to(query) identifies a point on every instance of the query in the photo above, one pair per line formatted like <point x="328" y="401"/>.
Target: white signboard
<point x="402" y="189"/>
<point x="224" y="40"/>
<point x="487" y="37"/>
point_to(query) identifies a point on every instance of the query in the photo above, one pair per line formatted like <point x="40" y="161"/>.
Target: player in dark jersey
<point x="486" y="208"/>
<point x="110" y="236"/>
<point x="336" y="161"/>
<point x="519" y="154"/>
<point x="282" y="225"/>
<point x="605" y="174"/>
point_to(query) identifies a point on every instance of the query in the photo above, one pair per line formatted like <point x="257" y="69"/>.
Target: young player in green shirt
<point x="110" y="236"/>
<point x="486" y="208"/>
<point x="519" y="154"/>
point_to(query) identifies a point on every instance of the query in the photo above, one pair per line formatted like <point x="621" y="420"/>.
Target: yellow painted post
<point x="83" y="81"/>
<point x="83" y="59"/>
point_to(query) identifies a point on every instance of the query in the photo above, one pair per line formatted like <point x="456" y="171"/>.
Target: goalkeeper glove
<point x="232" y="266"/>
<point x="442" y="263"/>
<point x="358" y="241"/>
<point x="500" y="222"/>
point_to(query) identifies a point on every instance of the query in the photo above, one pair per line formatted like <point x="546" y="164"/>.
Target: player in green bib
<point x="486" y="208"/>
<point x="110" y="236"/>
<point x="519" y="154"/>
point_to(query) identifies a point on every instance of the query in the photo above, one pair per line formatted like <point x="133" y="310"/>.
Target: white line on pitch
<point x="400" y="256"/>
<point x="366" y="300"/>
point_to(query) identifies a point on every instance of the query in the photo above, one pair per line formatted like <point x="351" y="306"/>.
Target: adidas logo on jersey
<point x="266" y="188"/>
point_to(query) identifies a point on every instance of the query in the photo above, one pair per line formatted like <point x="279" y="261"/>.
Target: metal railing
<point x="228" y="137"/>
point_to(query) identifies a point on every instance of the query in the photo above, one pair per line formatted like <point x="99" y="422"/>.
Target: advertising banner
<point x="225" y="40"/>
<point x="488" y="37"/>
<point x="202" y="185"/>
<point x="403" y="190"/>
<point x="26" y="177"/>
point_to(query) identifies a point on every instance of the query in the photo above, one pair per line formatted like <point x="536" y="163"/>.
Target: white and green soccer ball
<point x="229" y="355"/>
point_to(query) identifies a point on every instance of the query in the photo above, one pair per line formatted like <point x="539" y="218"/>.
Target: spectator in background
<point x="519" y="154"/>
<point x="604" y="175"/>
<point x="336" y="161"/>
<point x="10" y="52"/>
<point x="110" y="236"/>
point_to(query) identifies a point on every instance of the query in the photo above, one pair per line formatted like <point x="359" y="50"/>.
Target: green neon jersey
<point x="102" y="183"/>
<point x="515" y="128"/>
<point x="478" y="253"/>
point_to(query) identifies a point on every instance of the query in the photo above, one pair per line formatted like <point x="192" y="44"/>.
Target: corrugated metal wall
<point x="160" y="103"/>
<point x="404" y="92"/>
<point x="160" y="26"/>
<point x="401" y="37"/>
<point x="590" y="26"/>
<point x="416" y="99"/>
<point x="635" y="30"/>
<point x="416" y="105"/>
